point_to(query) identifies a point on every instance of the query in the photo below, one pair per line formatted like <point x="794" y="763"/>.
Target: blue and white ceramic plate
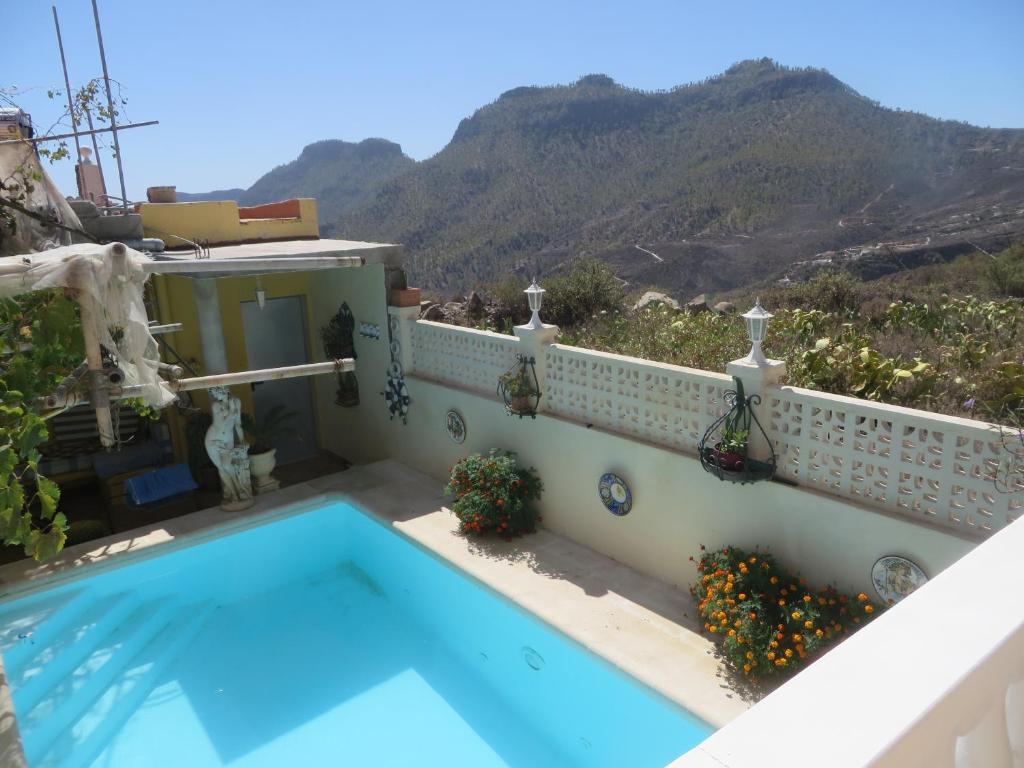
<point x="615" y="494"/>
<point x="896" y="577"/>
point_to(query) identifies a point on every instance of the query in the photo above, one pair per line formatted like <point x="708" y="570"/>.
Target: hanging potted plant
<point x="724" y="450"/>
<point x="519" y="389"/>
<point x="263" y="436"/>
<point x="731" y="450"/>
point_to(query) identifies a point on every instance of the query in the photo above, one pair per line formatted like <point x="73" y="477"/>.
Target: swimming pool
<point x="323" y="638"/>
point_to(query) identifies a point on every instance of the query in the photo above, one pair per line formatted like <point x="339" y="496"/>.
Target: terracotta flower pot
<point x="727" y="460"/>
<point x="520" y="404"/>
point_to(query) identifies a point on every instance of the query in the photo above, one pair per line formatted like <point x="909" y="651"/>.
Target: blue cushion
<point x="159" y="484"/>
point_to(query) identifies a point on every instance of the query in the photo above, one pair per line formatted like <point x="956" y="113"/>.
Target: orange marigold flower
<point x="795" y="615"/>
<point x="771" y="655"/>
<point x="807" y="598"/>
<point x="808" y="624"/>
<point x="789" y="653"/>
<point x="742" y="596"/>
<point x="774" y="579"/>
<point x="746" y="669"/>
<point x="869" y="608"/>
<point x="862" y="597"/>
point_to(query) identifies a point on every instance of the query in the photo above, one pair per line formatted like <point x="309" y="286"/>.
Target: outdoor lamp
<point x="535" y="295"/>
<point x="261" y="295"/>
<point x="757" y="327"/>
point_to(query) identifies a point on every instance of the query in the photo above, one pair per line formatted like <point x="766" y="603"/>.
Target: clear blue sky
<point x="240" y="86"/>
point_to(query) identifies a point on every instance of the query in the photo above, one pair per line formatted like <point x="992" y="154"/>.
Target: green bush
<point x="828" y="291"/>
<point x="493" y="493"/>
<point x="1005" y="272"/>
<point x="766" y="620"/>
<point x="587" y="289"/>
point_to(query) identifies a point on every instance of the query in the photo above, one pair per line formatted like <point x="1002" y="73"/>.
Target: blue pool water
<point x="321" y="639"/>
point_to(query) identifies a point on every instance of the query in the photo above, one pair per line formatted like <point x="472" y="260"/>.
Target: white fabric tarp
<point x="115" y="284"/>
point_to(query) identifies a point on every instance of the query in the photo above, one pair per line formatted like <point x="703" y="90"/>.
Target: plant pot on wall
<point x="261" y="465"/>
<point x="730" y="461"/>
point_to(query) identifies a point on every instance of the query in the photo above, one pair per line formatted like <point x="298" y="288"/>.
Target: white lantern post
<point x="535" y="295"/>
<point x="535" y="336"/>
<point x="757" y="328"/>
<point x="758" y="374"/>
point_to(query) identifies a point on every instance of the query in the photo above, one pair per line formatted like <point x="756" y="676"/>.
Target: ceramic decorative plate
<point x="615" y="494"/>
<point x="896" y="577"/>
<point x="456" y="426"/>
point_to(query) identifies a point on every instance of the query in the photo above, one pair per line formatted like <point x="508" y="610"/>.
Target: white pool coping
<point x="645" y="627"/>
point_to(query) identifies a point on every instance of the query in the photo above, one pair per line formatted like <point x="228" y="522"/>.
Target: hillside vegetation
<point x="721" y="182"/>
<point x="926" y="344"/>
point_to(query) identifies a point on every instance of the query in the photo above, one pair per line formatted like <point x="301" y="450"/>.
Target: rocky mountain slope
<point x="341" y="175"/>
<point x="708" y="186"/>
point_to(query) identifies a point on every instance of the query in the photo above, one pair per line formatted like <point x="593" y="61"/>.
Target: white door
<point x="275" y="336"/>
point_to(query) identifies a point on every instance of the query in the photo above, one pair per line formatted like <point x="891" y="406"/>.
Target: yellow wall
<point x="218" y="222"/>
<point x="176" y="304"/>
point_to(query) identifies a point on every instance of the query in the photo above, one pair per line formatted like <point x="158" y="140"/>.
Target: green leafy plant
<point x="265" y="433"/>
<point x="494" y="494"/>
<point x="733" y="441"/>
<point x="517" y="382"/>
<point x="766" y="620"/>
<point x="40" y="342"/>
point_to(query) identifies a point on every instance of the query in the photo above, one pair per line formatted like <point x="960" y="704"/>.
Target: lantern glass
<point x="757" y="323"/>
<point x="535" y="295"/>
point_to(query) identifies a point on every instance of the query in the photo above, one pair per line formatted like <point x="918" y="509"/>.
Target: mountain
<point x="341" y="175"/>
<point x="707" y="186"/>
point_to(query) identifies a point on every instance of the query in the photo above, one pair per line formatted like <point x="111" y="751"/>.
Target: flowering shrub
<point x="768" y="621"/>
<point x="493" y="493"/>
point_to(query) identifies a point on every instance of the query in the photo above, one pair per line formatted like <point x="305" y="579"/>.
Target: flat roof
<point x="372" y="253"/>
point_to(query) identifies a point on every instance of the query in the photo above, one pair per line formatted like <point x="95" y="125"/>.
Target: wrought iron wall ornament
<point x="723" y="449"/>
<point x="396" y="393"/>
<point x="519" y="389"/>
<point x="455" y="426"/>
<point x="339" y="344"/>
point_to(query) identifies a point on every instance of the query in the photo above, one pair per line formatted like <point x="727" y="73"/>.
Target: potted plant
<point x="494" y="494"/>
<point x="731" y="451"/>
<point x="263" y="435"/>
<point x="519" y="389"/>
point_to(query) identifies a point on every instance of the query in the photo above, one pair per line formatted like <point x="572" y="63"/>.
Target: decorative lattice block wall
<point x="464" y="357"/>
<point x="927" y="466"/>
<point x="663" y="404"/>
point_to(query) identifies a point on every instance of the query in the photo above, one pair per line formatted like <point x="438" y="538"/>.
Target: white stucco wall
<point x="677" y="506"/>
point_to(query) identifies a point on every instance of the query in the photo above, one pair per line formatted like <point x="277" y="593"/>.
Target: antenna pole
<point x="110" y="106"/>
<point x="67" y="88"/>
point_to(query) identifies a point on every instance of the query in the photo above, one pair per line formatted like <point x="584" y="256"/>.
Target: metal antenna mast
<point x="110" y="107"/>
<point x="67" y="87"/>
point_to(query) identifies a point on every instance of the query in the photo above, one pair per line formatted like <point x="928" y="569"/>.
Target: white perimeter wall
<point x="677" y="506"/>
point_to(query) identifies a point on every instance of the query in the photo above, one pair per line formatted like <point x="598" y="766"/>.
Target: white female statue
<point x="225" y="444"/>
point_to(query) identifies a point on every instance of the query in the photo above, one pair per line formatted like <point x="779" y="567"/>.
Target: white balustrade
<point x="664" y="404"/>
<point x="931" y="467"/>
<point x="935" y="681"/>
<point x="954" y="472"/>
<point x="464" y="357"/>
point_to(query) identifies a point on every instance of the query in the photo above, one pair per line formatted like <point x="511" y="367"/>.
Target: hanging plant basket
<point x="519" y="389"/>
<point x="723" y="449"/>
<point x="338" y="344"/>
